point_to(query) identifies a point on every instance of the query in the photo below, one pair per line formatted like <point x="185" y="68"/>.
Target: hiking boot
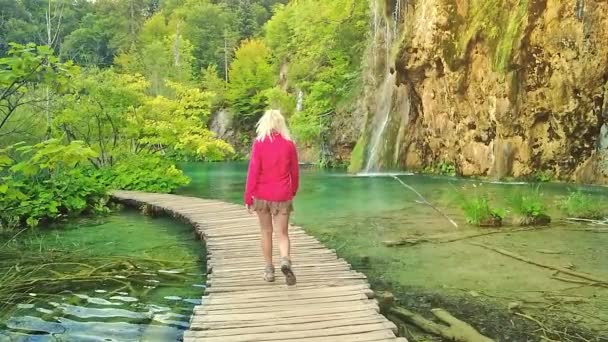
<point x="290" y="277"/>
<point x="269" y="273"/>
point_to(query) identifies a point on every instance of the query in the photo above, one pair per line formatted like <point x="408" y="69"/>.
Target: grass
<point x="478" y="209"/>
<point x="529" y="207"/>
<point x="580" y="205"/>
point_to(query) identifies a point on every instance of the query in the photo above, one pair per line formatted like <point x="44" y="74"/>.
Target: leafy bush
<point x="529" y="207"/>
<point x="446" y="168"/>
<point x="46" y="182"/>
<point x="581" y="205"/>
<point x="478" y="210"/>
<point x="51" y="181"/>
<point x="148" y="173"/>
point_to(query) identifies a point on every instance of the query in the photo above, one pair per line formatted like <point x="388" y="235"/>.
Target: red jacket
<point x="273" y="170"/>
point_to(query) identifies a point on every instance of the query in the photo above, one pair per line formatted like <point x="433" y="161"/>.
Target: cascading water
<point x="385" y="31"/>
<point x="383" y="111"/>
<point x="300" y="101"/>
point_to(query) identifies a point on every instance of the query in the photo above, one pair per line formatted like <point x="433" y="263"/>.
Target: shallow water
<point x="355" y="215"/>
<point x="156" y="307"/>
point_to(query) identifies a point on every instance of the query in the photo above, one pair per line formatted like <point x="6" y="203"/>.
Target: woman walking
<point x="272" y="183"/>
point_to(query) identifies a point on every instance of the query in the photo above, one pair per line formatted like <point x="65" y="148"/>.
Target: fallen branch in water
<point x="591" y="230"/>
<point x="456" y="330"/>
<point x="425" y="202"/>
<point x="410" y="241"/>
<point x="576" y="219"/>
<point x="576" y="281"/>
<point x="13" y="238"/>
<point x="597" y="280"/>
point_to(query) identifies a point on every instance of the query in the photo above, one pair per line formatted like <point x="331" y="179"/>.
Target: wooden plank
<point x="331" y="302"/>
<point x="288" y="308"/>
<point x="308" y="311"/>
<point x="293" y="293"/>
<point x="337" y="333"/>
<point x="277" y="328"/>
<point x="199" y="324"/>
<point x="321" y="297"/>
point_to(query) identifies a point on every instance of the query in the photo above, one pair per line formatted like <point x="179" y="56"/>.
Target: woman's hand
<point x="249" y="210"/>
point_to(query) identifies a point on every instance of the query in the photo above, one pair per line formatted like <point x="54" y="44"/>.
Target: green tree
<point x="251" y="73"/>
<point x="211" y="30"/>
<point x="246" y="22"/>
<point x="213" y="83"/>
<point x="112" y="114"/>
<point x="23" y="72"/>
<point x="163" y="54"/>
<point x="321" y="43"/>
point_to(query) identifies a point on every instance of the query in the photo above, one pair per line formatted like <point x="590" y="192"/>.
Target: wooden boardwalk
<point x="330" y="303"/>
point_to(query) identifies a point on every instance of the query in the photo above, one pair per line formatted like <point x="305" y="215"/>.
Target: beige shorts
<point x="274" y="208"/>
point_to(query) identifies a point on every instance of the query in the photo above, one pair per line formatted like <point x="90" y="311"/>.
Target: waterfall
<point x="383" y="111"/>
<point x="300" y="101"/>
<point x="384" y="35"/>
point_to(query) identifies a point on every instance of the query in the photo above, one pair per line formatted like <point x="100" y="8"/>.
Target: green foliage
<point x="114" y="116"/>
<point x="321" y="44"/>
<point x="529" y="206"/>
<point x="162" y="55"/>
<point x="444" y="168"/>
<point x="542" y="176"/>
<point x="25" y="69"/>
<point x="211" y="82"/>
<point x="212" y="30"/>
<point x="144" y="173"/>
<point x="580" y="205"/>
<point x="306" y="126"/>
<point x="46" y="182"/>
<point x="251" y="73"/>
<point x="280" y="99"/>
<point x="478" y="209"/>
<point x="499" y="23"/>
<point x="447" y="168"/>
<point x="357" y="158"/>
<point x="51" y="181"/>
<point x="25" y="22"/>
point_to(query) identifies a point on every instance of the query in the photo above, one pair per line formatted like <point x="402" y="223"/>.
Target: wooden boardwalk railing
<point x="330" y="303"/>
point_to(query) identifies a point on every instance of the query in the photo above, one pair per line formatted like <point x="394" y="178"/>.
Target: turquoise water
<point x="150" y="298"/>
<point x="357" y="215"/>
<point x="353" y="215"/>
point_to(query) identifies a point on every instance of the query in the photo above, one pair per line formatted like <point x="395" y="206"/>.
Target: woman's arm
<point x="252" y="174"/>
<point x="295" y="170"/>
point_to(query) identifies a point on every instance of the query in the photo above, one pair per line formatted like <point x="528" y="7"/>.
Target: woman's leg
<point x="281" y="223"/>
<point x="266" y="230"/>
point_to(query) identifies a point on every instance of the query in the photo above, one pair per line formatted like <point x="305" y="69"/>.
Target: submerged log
<point x="456" y="330"/>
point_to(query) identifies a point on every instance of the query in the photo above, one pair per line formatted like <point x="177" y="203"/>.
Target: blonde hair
<point x="272" y="122"/>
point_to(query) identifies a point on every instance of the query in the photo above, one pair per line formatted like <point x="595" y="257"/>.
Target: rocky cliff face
<point x="495" y="87"/>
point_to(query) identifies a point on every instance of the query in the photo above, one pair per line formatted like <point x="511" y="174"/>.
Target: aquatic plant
<point x="478" y="209"/>
<point x="444" y="168"/>
<point x="542" y="176"/>
<point x="529" y="207"/>
<point x="580" y="205"/>
<point x="30" y="270"/>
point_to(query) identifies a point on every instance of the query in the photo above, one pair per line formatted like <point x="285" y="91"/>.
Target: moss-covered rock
<point x="500" y="87"/>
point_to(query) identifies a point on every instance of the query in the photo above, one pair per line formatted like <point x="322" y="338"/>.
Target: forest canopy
<point x="139" y="81"/>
